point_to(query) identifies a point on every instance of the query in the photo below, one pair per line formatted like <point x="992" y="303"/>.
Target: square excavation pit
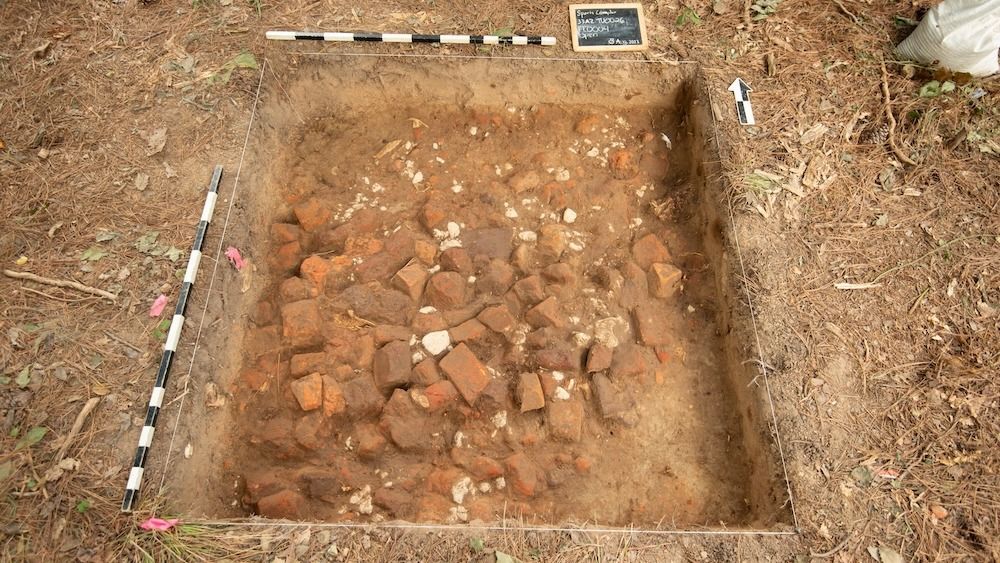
<point x="489" y="289"/>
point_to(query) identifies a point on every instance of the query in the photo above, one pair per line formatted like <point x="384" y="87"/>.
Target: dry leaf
<point x="100" y="389"/>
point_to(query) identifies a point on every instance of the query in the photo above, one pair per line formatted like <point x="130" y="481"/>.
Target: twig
<point x="938" y="249"/>
<point x="64" y="300"/>
<point x="892" y="119"/>
<point x="856" y="19"/>
<point x="832" y="551"/>
<point x="60" y="283"/>
<point x="77" y="425"/>
<point x="123" y="342"/>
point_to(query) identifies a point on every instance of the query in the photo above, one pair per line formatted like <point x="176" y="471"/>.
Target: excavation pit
<point x="488" y="289"/>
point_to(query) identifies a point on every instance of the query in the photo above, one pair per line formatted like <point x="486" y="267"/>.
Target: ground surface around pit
<point x="884" y="396"/>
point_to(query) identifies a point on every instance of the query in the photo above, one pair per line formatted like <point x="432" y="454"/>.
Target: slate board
<point x="607" y="27"/>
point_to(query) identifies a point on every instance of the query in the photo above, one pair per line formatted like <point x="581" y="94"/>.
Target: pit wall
<point x="769" y="496"/>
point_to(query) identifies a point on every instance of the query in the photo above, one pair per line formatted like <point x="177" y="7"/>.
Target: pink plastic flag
<point x="159" y="524"/>
<point x="158" y="306"/>
<point x="234" y="257"/>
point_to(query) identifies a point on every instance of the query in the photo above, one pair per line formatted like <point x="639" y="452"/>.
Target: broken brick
<point x="560" y="273"/>
<point x="610" y="401"/>
<point x="552" y="240"/>
<point x="628" y="361"/>
<point x="545" y="314"/>
<point x="664" y="280"/>
<point x="370" y="441"/>
<point x="362" y="397"/>
<point x="314" y="270"/>
<point x="287" y="257"/>
<point x="301" y="323"/>
<point x="426" y="372"/>
<point x="623" y="164"/>
<point x="309" y="432"/>
<point x="388" y="333"/>
<point x="405" y="422"/>
<point x="468" y="331"/>
<point x="446" y="290"/>
<point x="559" y="359"/>
<point x="483" y="468"/>
<point x="285" y="504"/>
<point x="650" y="327"/>
<point x="497" y="318"/>
<point x="530" y="290"/>
<point x="425" y="251"/>
<point x="649" y="250"/>
<point x="523" y="475"/>
<point x="529" y="392"/>
<point x="296" y="289"/>
<point x="283" y="233"/>
<point x="565" y="419"/>
<point x="308" y="391"/>
<point x="440" y="395"/>
<point x="411" y="279"/>
<point x="333" y="397"/>
<point x="496" y="278"/>
<point x="465" y="370"/>
<point x="599" y="358"/>
<point x="391" y="365"/>
<point x="456" y="260"/>
<point x="311" y="215"/>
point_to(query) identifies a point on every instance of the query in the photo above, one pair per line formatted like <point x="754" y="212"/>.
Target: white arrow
<point x="741" y="91"/>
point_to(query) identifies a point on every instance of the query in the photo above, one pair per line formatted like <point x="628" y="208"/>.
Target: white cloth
<point x="961" y="35"/>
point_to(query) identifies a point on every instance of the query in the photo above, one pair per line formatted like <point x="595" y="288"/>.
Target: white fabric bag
<point x="962" y="35"/>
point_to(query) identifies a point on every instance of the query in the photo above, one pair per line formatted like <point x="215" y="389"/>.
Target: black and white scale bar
<point x="410" y="38"/>
<point x="170" y="348"/>
<point x="744" y="111"/>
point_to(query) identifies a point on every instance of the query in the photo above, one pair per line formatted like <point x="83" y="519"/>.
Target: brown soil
<point x="541" y="233"/>
<point x="885" y="397"/>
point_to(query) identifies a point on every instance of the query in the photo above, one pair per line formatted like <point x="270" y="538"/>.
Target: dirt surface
<point x="868" y="251"/>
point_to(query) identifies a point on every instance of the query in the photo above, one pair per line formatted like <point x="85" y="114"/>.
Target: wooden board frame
<point x="576" y="39"/>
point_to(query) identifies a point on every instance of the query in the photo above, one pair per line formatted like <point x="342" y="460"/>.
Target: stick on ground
<point x="892" y="119"/>
<point x="60" y="283"/>
<point x="88" y="407"/>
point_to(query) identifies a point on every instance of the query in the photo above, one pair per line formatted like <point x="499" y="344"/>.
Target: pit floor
<point x="365" y="191"/>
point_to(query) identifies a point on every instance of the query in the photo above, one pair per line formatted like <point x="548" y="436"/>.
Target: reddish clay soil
<point x="506" y="311"/>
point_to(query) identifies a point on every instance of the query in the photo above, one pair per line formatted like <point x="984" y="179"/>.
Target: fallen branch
<point x="77" y="425"/>
<point x="892" y="119"/>
<point x="60" y="283"/>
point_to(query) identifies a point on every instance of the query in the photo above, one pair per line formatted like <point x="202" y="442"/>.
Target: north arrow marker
<point x="741" y="91"/>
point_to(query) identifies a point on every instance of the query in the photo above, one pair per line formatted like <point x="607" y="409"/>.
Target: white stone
<point x="456" y="188"/>
<point x="459" y="439"/>
<point x="450" y="243"/>
<point x="499" y="419"/>
<point x="569" y="216"/>
<point x="511" y="213"/>
<point x="436" y="342"/>
<point x="485" y="487"/>
<point x="461" y="488"/>
<point x="454" y="230"/>
<point x="575" y="246"/>
<point x="604" y="331"/>
<point x="562" y="175"/>
<point x="427" y="310"/>
<point x="473" y="130"/>
<point x="528" y="236"/>
<point x="561" y="394"/>
<point x="558" y="375"/>
<point x="500" y="483"/>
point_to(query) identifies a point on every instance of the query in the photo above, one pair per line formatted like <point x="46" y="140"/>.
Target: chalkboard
<point x="607" y="27"/>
